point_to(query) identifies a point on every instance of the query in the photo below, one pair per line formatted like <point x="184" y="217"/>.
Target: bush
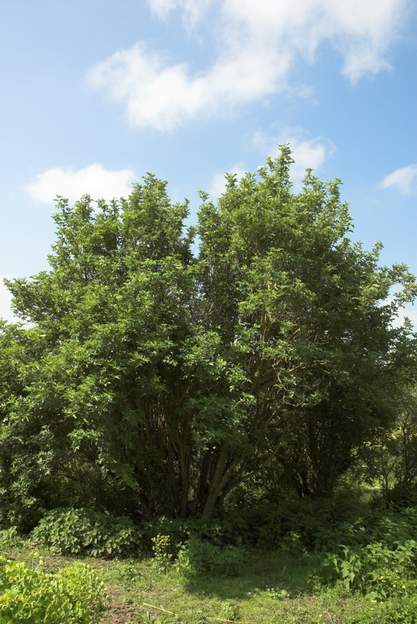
<point x="320" y="523"/>
<point x="403" y="611"/>
<point x="378" y="570"/>
<point x="199" y="557"/>
<point x="86" y="532"/>
<point x="325" y="525"/>
<point x="177" y="532"/>
<point x="392" y="527"/>
<point x="74" y="595"/>
<point x="164" y="552"/>
<point x="166" y="534"/>
<point x="10" y="538"/>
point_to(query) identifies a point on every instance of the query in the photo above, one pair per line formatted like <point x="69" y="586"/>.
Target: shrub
<point x="74" y="595"/>
<point x="164" y="552"/>
<point x="320" y="523"/>
<point x="398" y="611"/>
<point x="394" y="527"/>
<point x="377" y="569"/>
<point x="222" y="532"/>
<point x="10" y="538"/>
<point x="230" y="611"/>
<point x="166" y="534"/>
<point x="325" y="525"/>
<point x="86" y="532"/>
<point x="201" y="557"/>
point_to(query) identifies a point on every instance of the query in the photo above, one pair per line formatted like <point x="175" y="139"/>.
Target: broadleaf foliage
<point x="155" y="376"/>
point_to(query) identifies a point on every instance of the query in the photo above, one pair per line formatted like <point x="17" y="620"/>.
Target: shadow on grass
<point x="277" y="570"/>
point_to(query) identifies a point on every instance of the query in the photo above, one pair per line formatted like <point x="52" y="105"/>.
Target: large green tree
<point x="155" y="372"/>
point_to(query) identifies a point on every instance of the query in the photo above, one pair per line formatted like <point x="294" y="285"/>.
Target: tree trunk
<point x="221" y="476"/>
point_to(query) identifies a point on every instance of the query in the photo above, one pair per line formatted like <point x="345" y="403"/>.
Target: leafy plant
<point x="198" y="557"/>
<point x="231" y="611"/>
<point x="377" y="569"/>
<point x="276" y="593"/>
<point x="163" y="552"/>
<point x="154" y="378"/>
<point x="86" y="532"/>
<point x="348" y="567"/>
<point x="394" y="611"/>
<point x="74" y="595"/>
<point x="10" y="538"/>
<point x="166" y="534"/>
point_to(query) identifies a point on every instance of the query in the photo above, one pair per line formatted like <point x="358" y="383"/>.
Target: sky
<point x="95" y="94"/>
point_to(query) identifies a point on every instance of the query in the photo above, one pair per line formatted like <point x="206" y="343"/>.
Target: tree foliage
<point x="154" y="379"/>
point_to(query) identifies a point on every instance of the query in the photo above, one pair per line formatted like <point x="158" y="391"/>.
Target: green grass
<point x="273" y="587"/>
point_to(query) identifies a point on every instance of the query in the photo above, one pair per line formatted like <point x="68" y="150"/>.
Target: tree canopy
<point x="161" y="366"/>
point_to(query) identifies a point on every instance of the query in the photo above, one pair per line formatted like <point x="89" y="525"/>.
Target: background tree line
<point x="168" y="370"/>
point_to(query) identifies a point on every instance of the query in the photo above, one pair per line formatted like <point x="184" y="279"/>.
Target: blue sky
<point x="94" y="94"/>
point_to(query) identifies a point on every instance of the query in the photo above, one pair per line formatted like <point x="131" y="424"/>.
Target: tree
<point x="308" y="360"/>
<point x="162" y="379"/>
<point x="389" y="460"/>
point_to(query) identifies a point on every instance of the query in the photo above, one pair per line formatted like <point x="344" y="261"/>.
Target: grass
<point x="272" y="588"/>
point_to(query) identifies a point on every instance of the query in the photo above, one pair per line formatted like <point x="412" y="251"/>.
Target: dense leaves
<point x="86" y="532"/>
<point x="157" y="376"/>
<point x="74" y="595"/>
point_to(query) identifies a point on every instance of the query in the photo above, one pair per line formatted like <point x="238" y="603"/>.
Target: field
<point x="272" y="587"/>
<point x="360" y="569"/>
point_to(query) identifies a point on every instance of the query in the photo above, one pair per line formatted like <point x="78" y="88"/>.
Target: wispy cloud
<point x="403" y="180"/>
<point x="162" y="8"/>
<point x="95" y="180"/>
<point x="257" y="46"/>
<point x="192" y="10"/>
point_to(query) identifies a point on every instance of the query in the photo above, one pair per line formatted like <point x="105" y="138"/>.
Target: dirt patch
<point x="118" y="611"/>
<point x="119" y="614"/>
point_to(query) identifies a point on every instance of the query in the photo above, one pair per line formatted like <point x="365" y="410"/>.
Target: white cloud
<point x="95" y="180"/>
<point x="162" y="8"/>
<point x="164" y="96"/>
<point x="192" y="10"/>
<point x="307" y="152"/>
<point x="6" y="313"/>
<point x="403" y="179"/>
<point x="257" y="45"/>
<point x="218" y="182"/>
